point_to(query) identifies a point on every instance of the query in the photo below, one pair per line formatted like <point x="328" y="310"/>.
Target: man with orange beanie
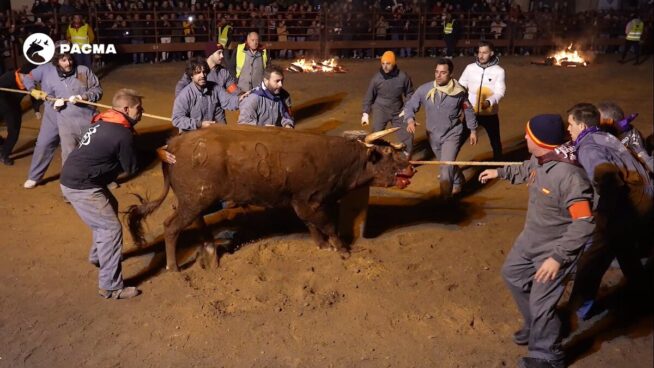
<point x="559" y="223"/>
<point x="388" y="90"/>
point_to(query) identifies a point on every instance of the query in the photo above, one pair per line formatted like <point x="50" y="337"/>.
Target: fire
<point x="311" y="66"/>
<point x="568" y="57"/>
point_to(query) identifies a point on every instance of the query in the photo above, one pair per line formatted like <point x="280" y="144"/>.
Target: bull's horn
<point x="398" y="146"/>
<point x="380" y="134"/>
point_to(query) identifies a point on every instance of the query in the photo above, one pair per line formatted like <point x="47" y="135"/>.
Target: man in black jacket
<point x="10" y="109"/>
<point x="105" y="150"/>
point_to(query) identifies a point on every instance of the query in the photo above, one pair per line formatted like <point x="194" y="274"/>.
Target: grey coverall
<point x="444" y="128"/>
<point x="262" y="108"/>
<point x="70" y="122"/>
<point x="549" y="231"/>
<point x="384" y="98"/>
<point x="219" y="75"/>
<point x="193" y="106"/>
<point x="624" y="196"/>
<point x="48" y="138"/>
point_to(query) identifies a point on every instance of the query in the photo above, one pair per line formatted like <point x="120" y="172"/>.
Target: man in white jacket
<point x="484" y="80"/>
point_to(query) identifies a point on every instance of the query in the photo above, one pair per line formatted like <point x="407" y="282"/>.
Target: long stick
<point x="84" y="102"/>
<point x="465" y="163"/>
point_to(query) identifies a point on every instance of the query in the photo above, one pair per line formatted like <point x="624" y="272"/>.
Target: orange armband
<point x="231" y="88"/>
<point x="579" y="210"/>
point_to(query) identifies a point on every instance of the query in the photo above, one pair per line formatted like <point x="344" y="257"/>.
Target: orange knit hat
<point x="388" y="57"/>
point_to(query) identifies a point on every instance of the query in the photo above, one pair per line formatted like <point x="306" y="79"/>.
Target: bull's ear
<point x="374" y="155"/>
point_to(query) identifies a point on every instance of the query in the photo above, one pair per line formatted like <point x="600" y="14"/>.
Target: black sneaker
<point x="6" y="160"/>
<point x="528" y="362"/>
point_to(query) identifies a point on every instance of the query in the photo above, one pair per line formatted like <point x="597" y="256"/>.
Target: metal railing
<point x="324" y="33"/>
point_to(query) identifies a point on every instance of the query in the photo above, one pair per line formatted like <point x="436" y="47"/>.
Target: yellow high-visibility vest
<point x="223" y="32"/>
<point x="449" y="27"/>
<point x="636" y="30"/>
<point x="240" y="58"/>
<point x="79" y="35"/>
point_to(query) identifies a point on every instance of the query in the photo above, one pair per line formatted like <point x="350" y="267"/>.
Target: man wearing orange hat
<point x="388" y="90"/>
<point x="559" y="223"/>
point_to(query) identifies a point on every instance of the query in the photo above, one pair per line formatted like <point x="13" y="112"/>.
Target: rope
<point x="465" y="163"/>
<point x="83" y="102"/>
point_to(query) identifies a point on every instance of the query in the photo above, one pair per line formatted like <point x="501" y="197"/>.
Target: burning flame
<point x="568" y="57"/>
<point x="311" y="66"/>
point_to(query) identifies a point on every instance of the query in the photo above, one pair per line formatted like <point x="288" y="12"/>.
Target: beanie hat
<point x="546" y="130"/>
<point x="388" y="57"/>
<point x="212" y="47"/>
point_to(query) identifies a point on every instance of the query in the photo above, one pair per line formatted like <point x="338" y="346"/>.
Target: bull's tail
<point x="137" y="213"/>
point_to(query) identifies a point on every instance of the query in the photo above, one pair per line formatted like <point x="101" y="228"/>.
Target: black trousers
<point x="12" y="115"/>
<point x="628" y="45"/>
<point x="492" y="125"/>
<point x="450" y="44"/>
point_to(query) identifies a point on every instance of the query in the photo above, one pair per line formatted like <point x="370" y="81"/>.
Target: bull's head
<point x="389" y="164"/>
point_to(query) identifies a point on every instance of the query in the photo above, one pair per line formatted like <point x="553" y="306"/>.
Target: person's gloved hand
<point x="75" y="98"/>
<point x="59" y="104"/>
<point x="365" y="119"/>
<point x="38" y="94"/>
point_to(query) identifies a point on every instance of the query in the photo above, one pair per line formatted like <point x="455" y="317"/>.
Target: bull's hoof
<point x="344" y="253"/>
<point x="172" y="268"/>
<point x="208" y="259"/>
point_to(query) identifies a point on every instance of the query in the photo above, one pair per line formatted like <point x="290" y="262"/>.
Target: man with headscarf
<point x="445" y="103"/>
<point x="559" y="223"/>
<point x="624" y="200"/>
<point x="484" y="80"/>
<point x="387" y="91"/>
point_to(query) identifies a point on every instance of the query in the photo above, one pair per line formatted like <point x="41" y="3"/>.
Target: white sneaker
<point x="29" y="184"/>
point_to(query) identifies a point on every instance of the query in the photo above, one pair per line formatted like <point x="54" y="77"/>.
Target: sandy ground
<point x="423" y="290"/>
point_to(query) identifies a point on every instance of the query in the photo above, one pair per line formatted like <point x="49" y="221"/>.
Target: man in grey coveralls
<point x="384" y="98"/>
<point x="268" y="104"/>
<point x="445" y="101"/>
<point x="201" y="103"/>
<point x="559" y="223"/>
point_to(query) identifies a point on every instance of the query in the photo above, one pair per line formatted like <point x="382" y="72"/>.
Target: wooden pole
<point x="465" y="163"/>
<point x="84" y="102"/>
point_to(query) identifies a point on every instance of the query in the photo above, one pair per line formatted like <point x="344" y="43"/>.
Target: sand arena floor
<point x="423" y="290"/>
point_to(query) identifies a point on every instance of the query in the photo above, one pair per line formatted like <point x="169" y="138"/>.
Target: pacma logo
<point x="39" y="48"/>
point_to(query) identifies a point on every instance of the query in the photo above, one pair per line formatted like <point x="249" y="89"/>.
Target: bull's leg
<point x="208" y="256"/>
<point x="321" y="225"/>
<point x="317" y="236"/>
<point x="178" y="221"/>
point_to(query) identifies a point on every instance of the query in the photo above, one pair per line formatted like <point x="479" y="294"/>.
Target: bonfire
<point x="311" y="66"/>
<point x="567" y="57"/>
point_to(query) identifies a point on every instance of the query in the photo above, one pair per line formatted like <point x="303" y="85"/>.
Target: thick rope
<point x="465" y="163"/>
<point x="83" y="102"/>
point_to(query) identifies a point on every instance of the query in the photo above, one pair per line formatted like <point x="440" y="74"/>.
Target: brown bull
<point x="268" y="167"/>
